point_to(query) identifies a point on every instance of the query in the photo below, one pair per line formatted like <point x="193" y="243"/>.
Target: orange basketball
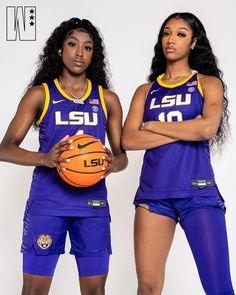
<point x="86" y="165"/>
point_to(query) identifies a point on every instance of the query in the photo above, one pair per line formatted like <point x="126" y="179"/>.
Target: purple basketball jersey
<point x="61" y="116"/>
<point x="183" y="168"/>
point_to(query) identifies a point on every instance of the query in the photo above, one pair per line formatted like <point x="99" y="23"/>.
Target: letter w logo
<point x="21" y="23"/>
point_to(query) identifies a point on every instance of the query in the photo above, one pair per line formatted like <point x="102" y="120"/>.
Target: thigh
<point x="91" y="245"/>
<point x="33" y="284"/>
<point x="153" y="235"/>
<point x="90" y="236"/>
<point x="43" y="241"/>
<point x="206" y="233"/>
<point x="93" y="285"/>
<point x="93" y="265"/>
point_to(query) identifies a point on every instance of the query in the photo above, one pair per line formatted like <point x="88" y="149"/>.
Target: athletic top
<point x="61" y="116"/>
<point x="181" y="169"/>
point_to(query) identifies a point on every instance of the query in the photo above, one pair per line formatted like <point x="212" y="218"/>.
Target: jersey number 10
<point x="170" y="117"/>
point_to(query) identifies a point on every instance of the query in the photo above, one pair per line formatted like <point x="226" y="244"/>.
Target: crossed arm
<point x="154" y="133"/>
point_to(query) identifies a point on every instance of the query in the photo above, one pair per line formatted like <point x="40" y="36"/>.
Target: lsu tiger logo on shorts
<point x="44" y="241"/>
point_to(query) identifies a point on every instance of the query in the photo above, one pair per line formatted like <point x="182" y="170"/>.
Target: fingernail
<point x="102" y="177"/>
<point x="71" y="147"/>
<point x="103" y="157"/>
<point x="63" y="169"/>
<point x="103" y="168"/>
<point x="68" y="160"/>
<point x="71" y="140"/>
<point x="104" y="146"/>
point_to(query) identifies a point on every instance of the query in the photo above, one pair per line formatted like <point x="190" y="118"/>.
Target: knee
<point x="33" y="290"/>
<point x="96" y="290"/>
<point x="36" y="285"/>
<point x="96" y="287"/>
<point x="145" y="288"/>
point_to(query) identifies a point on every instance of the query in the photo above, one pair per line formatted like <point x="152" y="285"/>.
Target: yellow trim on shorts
<point x="100" y="90"/>
<point x="143" y="205"/>
<point x="46" y="104"/>
<point x="176" y="84"/>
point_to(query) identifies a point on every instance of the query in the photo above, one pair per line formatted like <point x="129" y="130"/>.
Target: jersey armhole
<point x="100" y="90"/>
<point x="46" y="103"/>
<point x="199" y="86"/>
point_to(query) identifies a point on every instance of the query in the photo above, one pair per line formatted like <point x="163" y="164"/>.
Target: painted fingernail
<point x="71" y="140"/>
<point x="63" y="169"/>
<point x="68" y="160"/>
<point x="103" y="157"/>
<point x="102" y="177"/>
<point x="104" y="146"/>
<point x="103" y="168"/>
<point x="71" y="147"/>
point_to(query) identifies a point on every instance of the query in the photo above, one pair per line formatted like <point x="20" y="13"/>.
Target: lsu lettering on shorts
<point x="44" y="240"/>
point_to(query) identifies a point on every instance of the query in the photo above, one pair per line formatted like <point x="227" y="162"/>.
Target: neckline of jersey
<point x="83" y="98"/>
<point x="175" y="84"/>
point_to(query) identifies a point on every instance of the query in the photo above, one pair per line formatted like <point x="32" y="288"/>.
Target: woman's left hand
<point x="115" y="163"/>
<point x="110" y="159"/>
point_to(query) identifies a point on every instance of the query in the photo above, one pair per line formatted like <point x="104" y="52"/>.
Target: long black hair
<point x="202" y="59"/>
<point x="50" y="63"/>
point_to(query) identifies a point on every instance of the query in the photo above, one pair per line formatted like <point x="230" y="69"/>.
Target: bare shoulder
<point x="144" y="88"/>
<point x="141" y="93"/>
<point x="36" y="91"/>
<point x="110" y="95"/>
<point x="209" y="82"/>
<point x="112" y="101"/>
<point x="34" y="99"/>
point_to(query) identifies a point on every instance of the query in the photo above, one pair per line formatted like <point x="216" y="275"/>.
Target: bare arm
<point x="10" y="150"/>
<point x="133" y="137"/>
<point x="114" y="129"/>
<point x="201" y="128"/>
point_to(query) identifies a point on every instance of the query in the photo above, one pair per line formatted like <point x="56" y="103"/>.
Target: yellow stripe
<point x="100" y="90"/>
<point x="85" y="96"/>
<point x="46" y="103"/>
<point x="199" y="86"/>
<point x="176" y="84"/>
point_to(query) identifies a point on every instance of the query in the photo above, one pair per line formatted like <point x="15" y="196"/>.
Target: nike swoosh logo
<point x="82" y="146"/>
<point x="155" y="90"/>
<point x="57" y="101"/>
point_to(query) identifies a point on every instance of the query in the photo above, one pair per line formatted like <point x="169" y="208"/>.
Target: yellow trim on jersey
<point x="46" y="103"/>
<point x="100" y="90"/>
<point x="176" y="84"/>
<point x="199" y="86"/>
<point x="85" y="96"/>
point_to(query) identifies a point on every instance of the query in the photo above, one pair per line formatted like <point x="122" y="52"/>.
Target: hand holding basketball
<point x="85" y="161"/>
<point x="51" y="159"/>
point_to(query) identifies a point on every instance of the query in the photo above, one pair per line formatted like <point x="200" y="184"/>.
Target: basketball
<point x="85" y="164"/>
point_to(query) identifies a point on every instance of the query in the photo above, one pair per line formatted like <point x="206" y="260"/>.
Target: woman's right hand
<point x="52" y="158"/>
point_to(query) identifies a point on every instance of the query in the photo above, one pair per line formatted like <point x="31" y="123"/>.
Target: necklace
<point x="76" y="99"/>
